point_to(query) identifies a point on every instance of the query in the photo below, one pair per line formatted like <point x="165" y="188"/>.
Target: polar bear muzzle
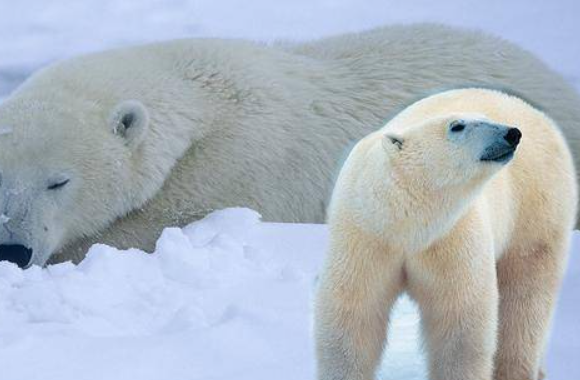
<point x="502" y="150"/>
<point x="16" y="253"/>
<point x="493" y="142"/>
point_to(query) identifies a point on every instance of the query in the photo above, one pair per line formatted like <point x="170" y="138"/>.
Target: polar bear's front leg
<point x="455" y="287"/>
<point x="358" y="287"/>
<point x="529" y="280"/>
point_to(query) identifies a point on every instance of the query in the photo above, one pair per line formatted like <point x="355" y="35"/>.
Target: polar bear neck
<point x="424" y="219"/>
<point x="411" y="219"/>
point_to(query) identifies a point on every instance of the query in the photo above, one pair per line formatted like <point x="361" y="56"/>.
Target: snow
<point x="4" y="218"/>
<point x="36" y="32"/>
<point x="225" y="297"/>
<point x="6" y="131"/>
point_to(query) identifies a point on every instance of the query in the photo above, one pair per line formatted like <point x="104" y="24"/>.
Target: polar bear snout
<point x="502" y="148"/>
<point x="16" y="253"/>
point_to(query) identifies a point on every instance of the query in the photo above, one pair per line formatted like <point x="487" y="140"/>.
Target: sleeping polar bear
<point x="114" y="146"/>
<point x="437" y="204"/>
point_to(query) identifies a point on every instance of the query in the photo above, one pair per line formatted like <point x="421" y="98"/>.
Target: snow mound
<point x="227" y="297"/>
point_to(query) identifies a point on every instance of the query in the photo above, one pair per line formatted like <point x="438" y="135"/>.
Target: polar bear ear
<point x="130" y="120"/>
<point x="391" y="140"/>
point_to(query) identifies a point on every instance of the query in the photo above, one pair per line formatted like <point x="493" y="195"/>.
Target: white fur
<point x="230" y="123"/>
<point x="480" y="245"/>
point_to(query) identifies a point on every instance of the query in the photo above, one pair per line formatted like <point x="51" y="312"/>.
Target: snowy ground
<point x="228" y="297"/>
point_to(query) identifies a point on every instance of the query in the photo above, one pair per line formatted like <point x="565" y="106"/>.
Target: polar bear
<point x="112" y="147"/>
<point x="440" y="204"/>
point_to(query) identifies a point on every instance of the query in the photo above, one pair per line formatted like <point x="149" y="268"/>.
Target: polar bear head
<point x="66" y="174"/>
<point x="410" y="181"/>
<point x="455" y="151"/>
<point x="425" y="174"/>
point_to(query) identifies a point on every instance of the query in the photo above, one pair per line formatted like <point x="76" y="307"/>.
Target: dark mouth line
<point x="499" y="157"/>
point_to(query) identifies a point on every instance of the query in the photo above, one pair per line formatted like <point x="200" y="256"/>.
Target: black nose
<point x="513" y="136"/>
<point x="15" y="253"/>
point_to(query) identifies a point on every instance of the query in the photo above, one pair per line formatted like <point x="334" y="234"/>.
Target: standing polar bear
<point x="112" y="147"/>
<point x="437" y="204"/>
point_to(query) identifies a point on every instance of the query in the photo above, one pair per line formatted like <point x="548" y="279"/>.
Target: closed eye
<point x="58" y="185"/>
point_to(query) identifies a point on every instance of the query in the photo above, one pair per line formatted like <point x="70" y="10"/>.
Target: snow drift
<point x="225" y="297"/>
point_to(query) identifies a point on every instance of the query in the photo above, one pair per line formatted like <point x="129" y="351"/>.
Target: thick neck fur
<point x="414" y="214"/>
